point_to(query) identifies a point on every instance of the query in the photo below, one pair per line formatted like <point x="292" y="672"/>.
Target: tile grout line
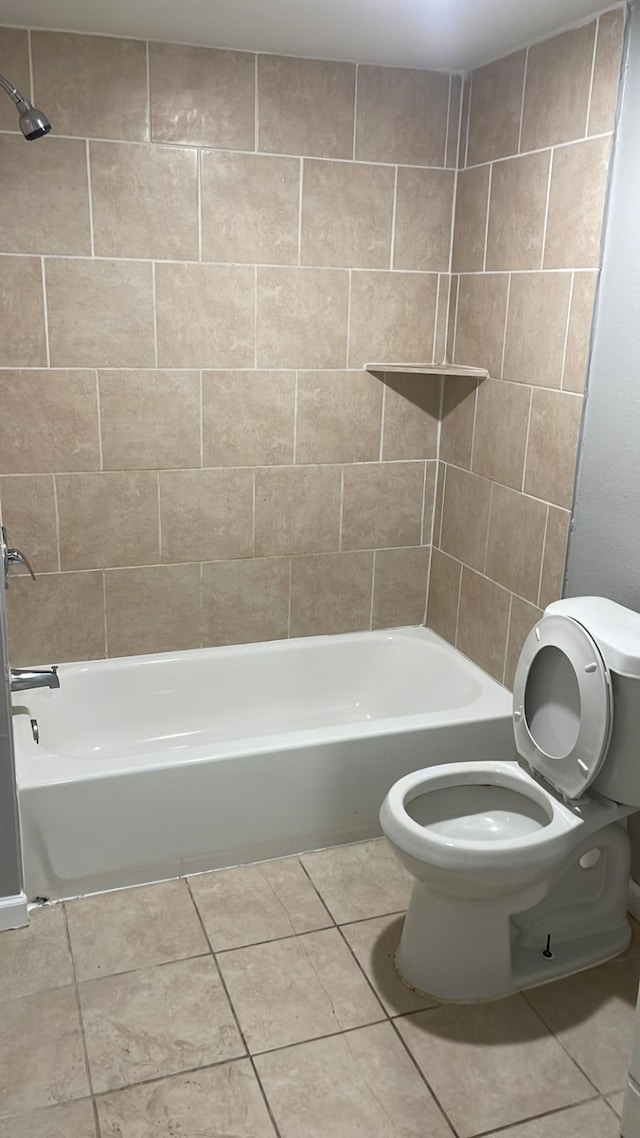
<point x="505" y="328"/>
<point x="45" y="314"/>
<point x="76" y="993"/>
<point x="155" y="313"/>
<point x="522" y="95"/>
<point x="504" y="664"/>
<point x="567" y="331"/>
<point x="467" y="126"/>
<point x="486" y="227"/>
<point x="234" y="1014"/>
<point x="593" y="75"/>
<point x="558" y="1040"/>
<point x="486" y="543"/>
<point x="544" y="551"/>
<point x="332" y="269"/>
<point x="551" y="1114"/>
<point x="90" y="197"/>
<point x="424" y="502"/>
<point x="421" y="1073"/>
<point x="159" y="501"/>
<point x="394" y="206"/>
<point x="526" y="445"/>
<point x="256" y="104"/>
<point x="56" y="514"/>
<point x="355" y="112"/>
<point x="546" y="210"/>
<point x="300" y="203"/>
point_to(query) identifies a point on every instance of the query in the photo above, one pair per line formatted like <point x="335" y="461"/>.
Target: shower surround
<point x="210" y="246"/>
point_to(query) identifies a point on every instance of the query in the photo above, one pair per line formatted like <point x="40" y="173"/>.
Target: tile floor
<point x="262" y="1001"/>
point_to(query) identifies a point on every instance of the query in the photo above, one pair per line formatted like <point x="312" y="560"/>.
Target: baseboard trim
<point x="13" y="912"/>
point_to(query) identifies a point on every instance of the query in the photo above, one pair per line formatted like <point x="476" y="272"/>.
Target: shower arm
<point x="13" y="93"/>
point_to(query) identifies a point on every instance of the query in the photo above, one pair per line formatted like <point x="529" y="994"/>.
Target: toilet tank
<point x="616" y="631"/>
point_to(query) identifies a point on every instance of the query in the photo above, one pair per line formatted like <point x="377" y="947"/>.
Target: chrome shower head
<point x="33" y="123"/>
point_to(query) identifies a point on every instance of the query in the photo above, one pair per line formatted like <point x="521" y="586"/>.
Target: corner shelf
<point x="432" y="369"/>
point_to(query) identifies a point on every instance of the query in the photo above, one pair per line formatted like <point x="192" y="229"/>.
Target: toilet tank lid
<point x="615" y="629"/>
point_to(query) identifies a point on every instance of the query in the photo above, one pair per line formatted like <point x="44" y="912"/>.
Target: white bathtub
<point x="150" y="767"/>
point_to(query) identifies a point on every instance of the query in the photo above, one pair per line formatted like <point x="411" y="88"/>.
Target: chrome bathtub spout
<point x="23" y="679"/>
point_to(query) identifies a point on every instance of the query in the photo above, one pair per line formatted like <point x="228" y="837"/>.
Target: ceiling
<point x="446" y="34"/>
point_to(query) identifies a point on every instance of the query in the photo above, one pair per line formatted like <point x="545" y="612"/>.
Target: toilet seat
<point x="562" y="704"/>
<point x="464" y="855"/>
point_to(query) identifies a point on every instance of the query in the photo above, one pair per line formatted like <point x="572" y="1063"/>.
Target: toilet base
<point x="468" y="952"/>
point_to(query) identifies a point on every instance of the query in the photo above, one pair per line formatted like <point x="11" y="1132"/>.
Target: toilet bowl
<point x="521" y="875"/>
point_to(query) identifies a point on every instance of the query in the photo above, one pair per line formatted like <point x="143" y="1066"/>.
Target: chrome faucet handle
<point x="13" y="557"/>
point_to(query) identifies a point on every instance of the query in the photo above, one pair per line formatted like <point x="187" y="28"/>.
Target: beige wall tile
<point x="481" y="311"/>
<point x="553" y="562"/>
<point x="330" y="593"/>
<point x="302" y="318"/>
<point x="100" y="313"/>
<point x="305" y="106"/>
<point x="522" y="618"/>
<point x="444" y="595"/>
<point x="91" y="86"/>
<point x="401" y="116"/>
<point x="145" y="201"/>
<point x="149" y="419"/>
<point x="424" y="205"/>
<point x="400" y="587"/>
<point x="14" y="62"/>
<point x="500" y="440"/>
<point x="556" y="97"/>
<point x="411" y="416"/>
<point x="245" y="601"/>
<point x="250" y="208"/>
<point x="49" y="421"/>
<point x="347" y="213"/>
<point x="465" y="517"/>
<point x="201" y="96"/>
<point x="382" y="505"/>
<point x="392" y="317"/>
<point x="579" y="335"/>
<point x="45" y="188"/>
<point x="537" y="328"/>
<point x="472" y="202"/>
<point x="58" y="617"/>
<point x="205" y="315"/>
<point x="152" y="609"/>
<point x="29" y="515"/>
<point x="516" y="538"/>
<point x="339" y="416"/>
<point x="247" y="417"/>
<point x="606" y="74"/>
<point x="553" y="440"/>
<point x="206" y="514"/>
<point x="517" y="212"/>
<point x="108" y="519"/>
<point x="458" y="415"/>
<point x="23" y="340"/>
<point x="453" y="130"/>
<point x="496" y="102"/>
<point x="578" y="189"/>
<point x="483" y="621"/>
<point x="297" y="510"/>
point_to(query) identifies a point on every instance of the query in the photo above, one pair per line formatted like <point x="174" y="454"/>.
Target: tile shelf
<point x="432" y="369"/>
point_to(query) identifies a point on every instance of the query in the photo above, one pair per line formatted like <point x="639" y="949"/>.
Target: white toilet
<point x="521" y="868"/>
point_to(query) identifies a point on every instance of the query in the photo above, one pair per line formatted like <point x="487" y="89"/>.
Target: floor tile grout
<point x="236" y="1017"/>
<point x="424" y="1078"/>
<point x="85" y="1050"/>
<point x="559" y="1041"/>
